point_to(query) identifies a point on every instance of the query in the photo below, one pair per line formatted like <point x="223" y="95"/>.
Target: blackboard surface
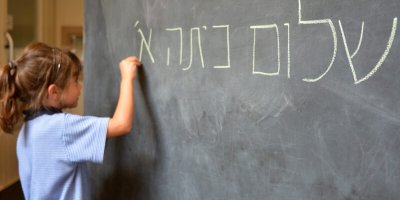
<point x="249" y="99"/>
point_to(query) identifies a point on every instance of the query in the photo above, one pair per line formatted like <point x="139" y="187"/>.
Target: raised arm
<point x="121" y="122"/>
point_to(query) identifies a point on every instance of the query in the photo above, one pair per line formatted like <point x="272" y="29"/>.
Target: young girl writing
<point x="53" y="147"/>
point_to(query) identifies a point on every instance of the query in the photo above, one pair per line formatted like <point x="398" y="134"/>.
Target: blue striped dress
<point x="53" y="151"/>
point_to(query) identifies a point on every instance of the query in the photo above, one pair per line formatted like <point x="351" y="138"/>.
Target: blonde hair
<point x="24" y="82"/>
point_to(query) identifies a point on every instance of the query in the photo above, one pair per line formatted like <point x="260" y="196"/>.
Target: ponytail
<point x="24" y="84"/>
<point x="10" y="111"/>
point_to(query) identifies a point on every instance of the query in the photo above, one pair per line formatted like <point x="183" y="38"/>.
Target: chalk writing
<point x="145" y="44"/>
<point x="381" y="60"/>
<point x="180" y="44"/>
<point x="359" y="41"/>
<point x="228" y="54"/>
<point x="321" y="21"/>
<point x="288" y="49"/>
<point x="191" y="47"/>
<point x="278" y="49"/>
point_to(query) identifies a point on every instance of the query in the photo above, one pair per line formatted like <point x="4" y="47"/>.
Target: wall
<point x="70" y="13"/>
<point x="46" y="25"/>
<point x="9" y="165"/>
<point x="3" y="22"/>
<point x="24" y="22"/>
<point x="51" y="15"/>
<point x="8" y="161"/>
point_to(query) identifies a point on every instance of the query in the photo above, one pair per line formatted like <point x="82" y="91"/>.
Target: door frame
<point x="3" y="30"/>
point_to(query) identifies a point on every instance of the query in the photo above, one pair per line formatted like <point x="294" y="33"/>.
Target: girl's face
<point x="71" y="93"/>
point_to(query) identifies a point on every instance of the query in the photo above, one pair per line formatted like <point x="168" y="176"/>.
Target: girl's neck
<point x="52" y="103"/>
<point x="32" y="114"/>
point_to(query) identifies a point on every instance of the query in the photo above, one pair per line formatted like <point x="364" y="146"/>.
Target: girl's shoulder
<point x="73" y="120"/>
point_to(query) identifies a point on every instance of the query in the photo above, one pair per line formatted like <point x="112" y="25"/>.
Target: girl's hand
<point x="128" y="67"/>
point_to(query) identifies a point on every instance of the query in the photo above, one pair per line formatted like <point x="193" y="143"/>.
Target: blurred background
<point x="56" y="22"/>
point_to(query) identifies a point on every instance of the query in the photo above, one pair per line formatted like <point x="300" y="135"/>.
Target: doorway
<point x="20" y="26"/>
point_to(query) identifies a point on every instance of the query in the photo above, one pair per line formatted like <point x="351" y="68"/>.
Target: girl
<point x="53" y="147"/>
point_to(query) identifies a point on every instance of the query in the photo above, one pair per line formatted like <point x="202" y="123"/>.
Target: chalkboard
<point x="248" y="99"/>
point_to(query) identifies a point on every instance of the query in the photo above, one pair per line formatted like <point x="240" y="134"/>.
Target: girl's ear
<point x="54" y="92"/>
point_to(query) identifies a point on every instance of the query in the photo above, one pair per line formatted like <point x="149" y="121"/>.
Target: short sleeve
<point x="85" y="137"/>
